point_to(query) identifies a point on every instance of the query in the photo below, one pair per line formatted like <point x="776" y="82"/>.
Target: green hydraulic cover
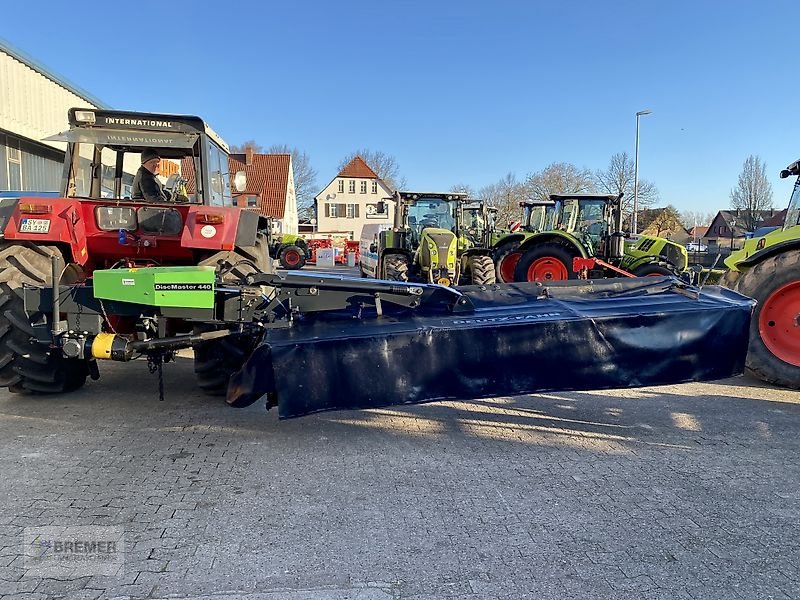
<point x="187" y="287"/>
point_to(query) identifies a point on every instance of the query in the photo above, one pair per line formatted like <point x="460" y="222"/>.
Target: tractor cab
<point x="478" y="225"/>
<point x="104" y="151"/>
<point x="538" y="215"/>
<point x="586" y="216"/>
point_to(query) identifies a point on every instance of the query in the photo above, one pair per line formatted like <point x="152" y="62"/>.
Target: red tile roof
<point x="267" y="176"/>
<point x="358" y="168"/>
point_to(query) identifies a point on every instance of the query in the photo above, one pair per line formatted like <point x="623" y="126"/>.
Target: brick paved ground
<point x="684" y="492"/>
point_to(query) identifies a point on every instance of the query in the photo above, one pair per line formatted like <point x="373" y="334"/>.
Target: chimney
<point x="248" y="156"/>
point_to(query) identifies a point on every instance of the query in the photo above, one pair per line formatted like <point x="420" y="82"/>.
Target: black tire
<point x="481" y="270"/>
<point x="654" y="270"/>
<point x="557" y="257"/>
<point x="767" y="283"/>
<point x="395" y="267"/>
<point x="27" y="366"/>
<point x="292" y="257"/>
<point x="215" y="361"/>
<point x="500" y="256"/>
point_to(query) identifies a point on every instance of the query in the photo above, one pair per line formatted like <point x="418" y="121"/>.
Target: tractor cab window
<point x="793" y="212"/>
<point x="219" y="176"/>
<point x="431" y="212"/>
<point x="569" y="214"/>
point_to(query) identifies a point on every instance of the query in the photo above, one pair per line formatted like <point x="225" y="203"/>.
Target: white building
<point x="33" y="105"/>
<point x="350" y="200"/>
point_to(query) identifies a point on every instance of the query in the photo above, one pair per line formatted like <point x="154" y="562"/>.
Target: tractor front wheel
<point x="481" y="270"/>
<point x="774" y="349"/>
<point x="25" y="365"/>
<point x="396" y="267"/>
<point x="547" y="262"/>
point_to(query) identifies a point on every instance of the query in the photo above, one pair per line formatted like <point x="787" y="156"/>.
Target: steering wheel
<point x="172" y="189"/>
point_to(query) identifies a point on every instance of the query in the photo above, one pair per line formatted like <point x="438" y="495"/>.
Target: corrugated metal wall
<point x="41" y="166"/>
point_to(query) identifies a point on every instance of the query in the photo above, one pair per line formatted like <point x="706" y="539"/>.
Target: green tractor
<point x="429" y="242"/>
<point x="290" y="250"/>
<point x="589" y="226"/>
<point x="767" y="268"/>
<point x="537" y="216"/>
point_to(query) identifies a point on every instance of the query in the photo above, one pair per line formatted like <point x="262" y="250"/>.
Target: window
<point x="363" y="187"/>
<point x="332" y="210"/>
<point x="374" y="187"/>
<point x="351" y="211"/>
<point x="14" y="160"/>
<point x="252" y="201"/>
<point x="352" y="186"/>
<point x="219" y="176"/>
<point x="341" y="186"/>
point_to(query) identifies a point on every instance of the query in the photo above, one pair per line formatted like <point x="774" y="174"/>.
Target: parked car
<point x="696" y="247"/>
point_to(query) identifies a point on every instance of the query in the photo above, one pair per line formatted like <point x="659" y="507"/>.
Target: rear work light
<point x="34" y="209"/>
<point x="209" y="218"/>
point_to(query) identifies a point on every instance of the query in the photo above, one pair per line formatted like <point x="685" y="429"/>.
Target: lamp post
<point x="733" y="224"/>
<point x="636" y="174"/>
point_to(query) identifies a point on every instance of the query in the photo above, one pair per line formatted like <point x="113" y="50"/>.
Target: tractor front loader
<point x="767" y="268"/>
<point x="588" y="235"/>
<point x="310" y="343"/>
<point x="96" y="224"/>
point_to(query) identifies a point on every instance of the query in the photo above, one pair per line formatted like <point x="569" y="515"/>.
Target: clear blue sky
<point x="461" y="91"/>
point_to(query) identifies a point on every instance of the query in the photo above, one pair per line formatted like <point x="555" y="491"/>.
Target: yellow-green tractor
<point x="429" y="242"/>
<point x="589" y="226"/>
<point x="767" y="268"/>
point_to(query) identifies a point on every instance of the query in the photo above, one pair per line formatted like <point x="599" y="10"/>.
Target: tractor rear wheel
<point x="774" y="350"/>
<point x="654" y="270"/>
<point x="546" y="262"/>
<point x="27" y="366"/>
<point x="396" y="267"/>
<point x="481" y="270"/>
<point x="506" y="258"/>
<point x="292" y="257"/>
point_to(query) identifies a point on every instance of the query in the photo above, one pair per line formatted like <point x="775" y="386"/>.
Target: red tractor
<point x="96" y="224"/>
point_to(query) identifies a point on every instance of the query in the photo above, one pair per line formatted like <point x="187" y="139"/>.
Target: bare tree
<point x="305" y="178"/>
<point x="251" y="144"/>
<point x="753" y="192"/>
<point x="384" y="165"/>
<point x="558" y="178"/>
<point x="696" y="218"/>
<point x="618" y="179"/>
<point x="505" y="195"/>
<point x="463" y="188"/>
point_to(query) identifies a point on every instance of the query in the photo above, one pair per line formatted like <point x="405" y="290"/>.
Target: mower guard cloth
<point x="521" y="338"/>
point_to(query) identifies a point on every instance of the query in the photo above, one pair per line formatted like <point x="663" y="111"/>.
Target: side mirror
<point x="785" y="173"/>
<point x="240" y="181"/>
<point x="373" y="247"/>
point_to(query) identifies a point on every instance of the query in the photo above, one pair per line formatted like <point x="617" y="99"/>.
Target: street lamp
<point x="636" y="174"/>
<point x="733" y="224"/>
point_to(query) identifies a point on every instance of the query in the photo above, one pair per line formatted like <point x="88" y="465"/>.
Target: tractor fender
<point x="477" y="252"/>
<point x="238" y="228"/>
<point x="67" y="228"/>
<point x="767" y="252"/>
<point x="555" y="237"/>
<point x="509" y="239"/>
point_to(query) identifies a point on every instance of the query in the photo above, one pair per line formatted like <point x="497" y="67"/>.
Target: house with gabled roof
<point x="351" y="199"/>
<point x="729" y="227"/>
<point x="270" y="187"/>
